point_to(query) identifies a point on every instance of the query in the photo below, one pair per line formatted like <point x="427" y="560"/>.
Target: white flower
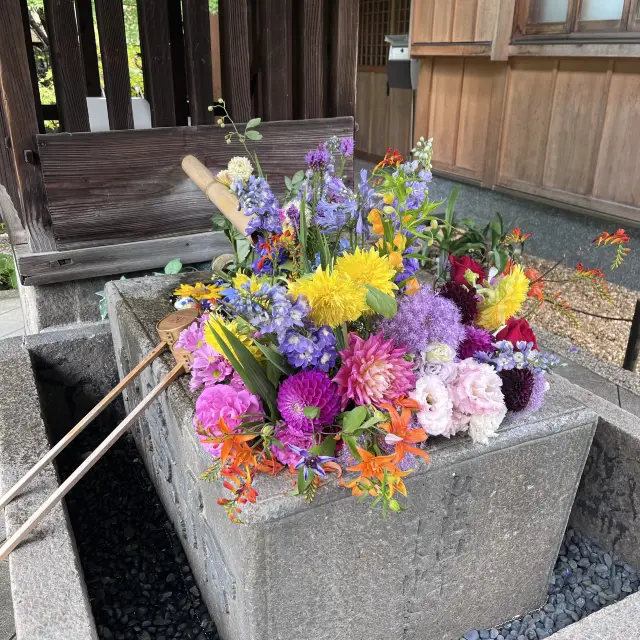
<point x="446" y="371"/>
<point x="224" y="177"/>
<point x="436" y="406"/>
<point x="439" y="352"/>
<point x="240" y="168"/>
<point x="484" y="426"/>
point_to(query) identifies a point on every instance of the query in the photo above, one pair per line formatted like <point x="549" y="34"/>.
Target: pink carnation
<point x="374" y="371"/>
<point x="477" y="388"/>
<point x="226" y="402"/>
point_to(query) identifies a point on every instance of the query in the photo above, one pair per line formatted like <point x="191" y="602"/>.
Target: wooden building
<point x="540" y="98"/>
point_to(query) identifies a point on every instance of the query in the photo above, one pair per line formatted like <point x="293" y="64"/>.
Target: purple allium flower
<point x="311" y="390"/>
<point x="463" y="298"/>
<point x="540" y="387"/>
<point x="424" y="318"/>
<point x="346" y="146"/>
<point x="475" y="340"/>
<point x="319" y="158"/>
<point x="309" y="461"/>
<point x="517" y="388"/>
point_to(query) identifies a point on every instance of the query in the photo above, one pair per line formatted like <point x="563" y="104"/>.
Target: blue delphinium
<point x="256" y="199"/>
<point x="522" y="355"/>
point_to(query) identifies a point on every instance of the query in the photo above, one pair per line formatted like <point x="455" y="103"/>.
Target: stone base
<point x="475" y="547"/>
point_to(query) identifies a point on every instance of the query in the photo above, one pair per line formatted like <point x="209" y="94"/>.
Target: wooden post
<point x="344" y="58"/>
<point x="633" y="346"/>
<point x="310" y="60"/>
<point x="503" y="30"/>
<point x="22" y="124"/>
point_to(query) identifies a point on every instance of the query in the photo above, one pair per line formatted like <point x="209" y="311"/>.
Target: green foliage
<point x="381" y="303"/>
<point x="173" y="266"/>
<point x="8" y="274"/>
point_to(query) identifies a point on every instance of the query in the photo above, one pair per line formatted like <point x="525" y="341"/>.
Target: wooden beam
<point x="8" y="213"/>
<point x="68" y="68"/>
<point x="124" y="186"/>
<point x="344" y="59"/>
<point x="76" y="264"/>
<point x="153" y="17"/>
<point x="580" y="50"/>
<point x="311" y="59"/>
<point x="503" y="30"/>
<point x="17" y="97"/>
<point x="424" y="50"/>
<point x="197" y="38"/>
<point x="236" y="62"/>
<point x="84" y="14"/>
<point x="216" y="69"/>
<point x="178" y="63"/>
<point x="275" y="18"/>
<point x="115" y="63"/>
<point x="8" y="178"/>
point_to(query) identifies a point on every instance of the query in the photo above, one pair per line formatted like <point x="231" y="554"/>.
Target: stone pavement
<point x="11" y="321"/>
<point x="7" y="627"/>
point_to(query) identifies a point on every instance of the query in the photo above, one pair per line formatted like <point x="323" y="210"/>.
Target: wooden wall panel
<point x="399" y="135"/>
<point x="422" y="20"/>
<point x="363" y="111"/>
<point x="486" y="16"/>
<point x="443" y="14"/>
<point x="618" y="167"/>
<point x="526" y="120"/>
<point x="379" y="114"/>
<point x="475" y="106"/>
<point x="464" y="20"/>
<point x="446" y="92"/>
<point x="575" y="127"/>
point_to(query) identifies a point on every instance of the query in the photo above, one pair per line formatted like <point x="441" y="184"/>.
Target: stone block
<point x="620" y="621"/>
<point x="49" y="596"/>
<point x="475" y="547"/>
<point x="608" y="500"/>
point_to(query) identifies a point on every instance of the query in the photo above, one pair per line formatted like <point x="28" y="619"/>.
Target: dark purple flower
<point x="517" y="388"/>
<point x="463" y="298"/>
<point x="310" y="461"/>
<point x="476" y="340"/>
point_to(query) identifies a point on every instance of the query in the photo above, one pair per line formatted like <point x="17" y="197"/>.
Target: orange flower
<point x="375" y="218"/>
<point x="619" y="237"/>
<point x="373" y="466"/>
<point x="401" y="434"/>
<point x="392" y="158"/>
<point x="516" y="237"/>
<point x="537" y="283"/>
<point x="413" y="286"/>
<point x="395" y="260"/>
<point x="234" y="445"/>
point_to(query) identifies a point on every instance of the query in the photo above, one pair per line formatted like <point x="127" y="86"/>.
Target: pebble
<point x="139" y="582"/>
<point x="585" y="579"/>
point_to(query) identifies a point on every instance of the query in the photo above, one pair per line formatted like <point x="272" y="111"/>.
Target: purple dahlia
<point x="311" y="390"/>
<point x="517" y="388"/>
<point x="475" y="340"/>
<point x="463" y="298"/>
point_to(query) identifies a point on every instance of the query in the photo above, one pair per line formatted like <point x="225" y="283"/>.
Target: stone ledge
<point x="49" y="597"/>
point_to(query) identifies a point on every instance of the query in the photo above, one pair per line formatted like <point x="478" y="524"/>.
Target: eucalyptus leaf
<point x="381" y="303"/>
<point x="253" y="135"/>
<point x="254" y="122"/>
<point x="173" y="266"/>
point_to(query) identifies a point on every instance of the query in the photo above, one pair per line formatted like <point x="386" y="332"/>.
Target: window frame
<point x="573" y="27"/>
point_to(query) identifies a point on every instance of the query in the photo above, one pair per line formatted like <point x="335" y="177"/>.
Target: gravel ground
<point x="605" y="339"/>
<point x="585" y="579"/>
<point x="138" y="578"/>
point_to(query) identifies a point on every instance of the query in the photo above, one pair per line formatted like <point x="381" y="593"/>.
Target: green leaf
<point x="298" y="177"/>
<point x="338" y="333"/>
<point x="275" y="358"/>
<point x="252" y="374"/>
<point x="302" y="483"/>
<point x="353" y="446"/>
<point x="243" y="247"/>
<point x="173" y="266"/>
<point x="102" y="305"/>
<point x="311" y="412"/>
<point x="253" y="135"/>
<point x="381" y="303"/>
<point x="273" y="373"/>
<point x="326" y="448"/>
<point x="254" y="122"/>
<point x="353" y="419"/>
<point x="451" y="203"/>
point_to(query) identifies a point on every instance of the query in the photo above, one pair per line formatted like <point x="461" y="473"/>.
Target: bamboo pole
<point x="89" y="462"/>
<point x="80" y="427"/>
<point x="226" y="202"/>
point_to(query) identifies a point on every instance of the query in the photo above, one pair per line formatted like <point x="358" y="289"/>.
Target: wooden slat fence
<point x="85" y="192"/>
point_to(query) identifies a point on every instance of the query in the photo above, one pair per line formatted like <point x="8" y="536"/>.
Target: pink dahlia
<point x="311" y="390"/>
<point x="374" y="371"/>
<point x="223" y="401"/>
<point x="288" y="436"/>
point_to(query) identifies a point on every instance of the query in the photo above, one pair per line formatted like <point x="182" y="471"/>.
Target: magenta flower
<point x="191" y="338"/>
<point x="475" y="340"/>
<point x="288" y="436"/>
<point x="226" y="402"/>
<point x="208" y="367"/>
<point x="374" y="371"/>
<point x="310" y="390"/>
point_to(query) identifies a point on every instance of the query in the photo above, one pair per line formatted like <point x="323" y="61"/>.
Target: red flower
<point x="459" y="267"/>
<point x="517" y="330"/>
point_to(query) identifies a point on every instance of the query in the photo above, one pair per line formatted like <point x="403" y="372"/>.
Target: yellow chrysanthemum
<point x="199" y="291"/>
<point x="368" y="267"/>
<point x="334" y="298"/>
<point x="504" y="300"/>
<point x="233" y="326"/>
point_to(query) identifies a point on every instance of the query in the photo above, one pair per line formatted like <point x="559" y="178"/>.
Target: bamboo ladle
<point x="169" y="329"/>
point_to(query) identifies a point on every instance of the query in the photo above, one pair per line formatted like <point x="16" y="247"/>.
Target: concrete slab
<point x="438" y="568"/>
<point x="7" y="624"/>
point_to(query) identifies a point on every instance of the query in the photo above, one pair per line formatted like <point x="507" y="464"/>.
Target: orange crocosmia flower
<point x="375" y="218"/>
<point x="619" y="237"/>
<point x="412" y="286"/>
<point x="373" y="466"/>
<point x="516" y="236"/>
<point x="402" y="435"/>
<point x="537" y="284"/>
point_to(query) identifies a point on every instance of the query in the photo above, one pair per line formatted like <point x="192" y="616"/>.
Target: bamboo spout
<point x="226" y="202"/>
